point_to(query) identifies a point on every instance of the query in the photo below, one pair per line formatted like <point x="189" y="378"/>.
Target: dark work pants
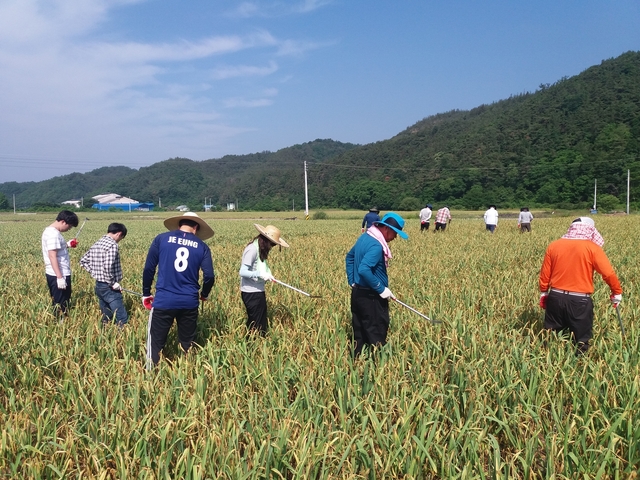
<point x="440" y="226"/>
<point x="572" y="313"/>
<point x="61" y="299"/>
<point x="369" y="318"/>
<point x="424" y="226"/>
<point x="160" y="322"/>
<point x="256" y="305"/>
<point x="111" y="304"/>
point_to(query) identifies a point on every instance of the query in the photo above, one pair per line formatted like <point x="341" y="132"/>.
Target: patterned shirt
<point x="443" y="215"/>
<point x="102" y="261"/>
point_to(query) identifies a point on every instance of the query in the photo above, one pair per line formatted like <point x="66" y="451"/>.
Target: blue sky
<point x="92" y="83"/>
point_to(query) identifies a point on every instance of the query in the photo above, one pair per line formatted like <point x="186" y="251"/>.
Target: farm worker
<point x="491" y="218"/>
<point x="179" y="255"/>
<point x="425" y="217"/>
<point x="443" y="216"/>
<point x="371" y="216"/>
<point x="254" y="272"/>
<point x="366" y="265"/>
<point x="566" y="281"/>
<point x="102" y="261"/>
<point x="524" y="220"/>
<point x="56" y="260"/>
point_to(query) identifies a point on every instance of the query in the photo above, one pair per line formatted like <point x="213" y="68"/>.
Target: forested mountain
<point x="543" y="148"/>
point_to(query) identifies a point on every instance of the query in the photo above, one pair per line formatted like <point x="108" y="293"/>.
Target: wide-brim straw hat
<point x="272" y="233"/>
<point x="204" y="232"/>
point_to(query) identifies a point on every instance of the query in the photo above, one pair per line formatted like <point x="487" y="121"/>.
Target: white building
<point x="75" y="203"/>
<point x="113" y="198"/>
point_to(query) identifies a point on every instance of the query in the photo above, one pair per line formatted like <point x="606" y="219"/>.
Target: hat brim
<point x="266" y="234"/>
<point x="204" y="232"/>
<point x="400" y="233"/>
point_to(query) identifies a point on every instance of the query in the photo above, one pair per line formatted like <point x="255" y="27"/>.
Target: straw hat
<point x="204" y="232"/>
<point x="272" y="233"/>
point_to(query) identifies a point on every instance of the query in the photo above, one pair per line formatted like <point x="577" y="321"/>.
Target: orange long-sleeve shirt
<point x="569" y="264"/>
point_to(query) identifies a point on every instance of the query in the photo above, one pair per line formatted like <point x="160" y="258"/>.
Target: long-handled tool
<point x="297" y="289"/>
<point x="81" y="227"/>
<point x="435" y="322"/>
<point x="619" y="320"/>
<point x="131" y="292"/>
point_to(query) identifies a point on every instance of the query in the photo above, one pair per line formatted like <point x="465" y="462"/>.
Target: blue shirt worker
<point x="102" y="261"/>
<point x="366" y="265"/>
<point x="178" y="255"/>
<point x="373" y="215"/>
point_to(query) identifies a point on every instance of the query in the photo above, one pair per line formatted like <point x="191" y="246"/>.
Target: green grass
<point x="479" y="396"/>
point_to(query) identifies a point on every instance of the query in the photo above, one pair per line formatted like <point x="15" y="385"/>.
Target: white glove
<point x="386" y="293"/>
<point x="267" y="277"/>
<point x="615" y="300"/>
<point x="116" y="286"/>
<point x="62" y="283"/>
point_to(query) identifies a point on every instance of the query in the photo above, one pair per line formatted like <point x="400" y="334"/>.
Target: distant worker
<point x="443" y="216"/>
<point x="178" y="255"/>
<point x="254" y="272"/>
<point x="102" y="261"/>
<point x="425" y="217"/>
<point x="371" y="216"/>
<point x="366" y="266"/>
<point x="491" y="218"/>
<point x="57" y="264"/>
<point x="566" y="281"/>
<point x="524" y="220"/>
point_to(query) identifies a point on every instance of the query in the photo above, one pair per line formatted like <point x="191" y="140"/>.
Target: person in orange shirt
<point x="566" y="281"/>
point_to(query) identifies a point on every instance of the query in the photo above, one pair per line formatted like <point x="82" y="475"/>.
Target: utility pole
<point x="306" y="194"/>
<point x="14" y="203"/>
<point x="628" y="184"/>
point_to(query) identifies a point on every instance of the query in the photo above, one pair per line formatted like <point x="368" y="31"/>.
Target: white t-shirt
<point x="250" y="258"/>
<point x="52" y="239"/>
<point x="425" y="214"/>
<point x="491" y="217"/>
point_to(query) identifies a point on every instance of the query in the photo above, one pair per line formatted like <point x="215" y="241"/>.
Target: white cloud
<point x="69" y="92"/>
<point x="277" y="8"/>
<point x="241" y="102"/>
<point x="223" y="73"/>
<point x="244" y="103"/>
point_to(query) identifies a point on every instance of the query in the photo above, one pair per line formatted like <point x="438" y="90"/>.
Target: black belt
<point x="360" y="287"/>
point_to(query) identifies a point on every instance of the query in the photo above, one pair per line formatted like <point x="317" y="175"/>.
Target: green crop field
<point x="480" y="395"/>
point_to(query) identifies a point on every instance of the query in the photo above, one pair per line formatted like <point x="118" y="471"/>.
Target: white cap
<point x="587" y="220"/>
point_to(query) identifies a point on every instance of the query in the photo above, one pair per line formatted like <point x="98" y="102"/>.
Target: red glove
<point x="543" y="300"/>
<point x="362" y="230"/>
<point x="73" y="243"/>
<point x="203" y="299"/>
<point x="147" y="302"/>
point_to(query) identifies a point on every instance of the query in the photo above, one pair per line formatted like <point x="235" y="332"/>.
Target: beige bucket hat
<point x="272" y="233"/>
<point x="204" y="232"/>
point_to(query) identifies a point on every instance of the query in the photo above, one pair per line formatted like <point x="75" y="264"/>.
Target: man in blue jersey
<point x="366" y="265"/>
<point x="179" y="255"/>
